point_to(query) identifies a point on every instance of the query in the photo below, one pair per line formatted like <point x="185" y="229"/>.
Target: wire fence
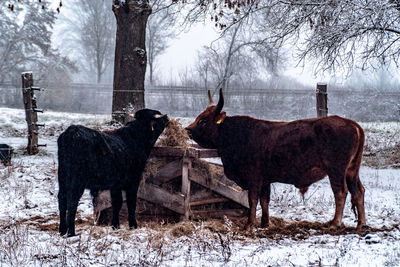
<point x="273" y="104"/>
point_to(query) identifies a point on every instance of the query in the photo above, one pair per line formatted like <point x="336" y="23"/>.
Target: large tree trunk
<point x="130" y="56"/>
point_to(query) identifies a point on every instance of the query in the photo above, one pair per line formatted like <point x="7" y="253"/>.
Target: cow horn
<point x="220" y="102"/>
<point x="210" y="98"/>
<point x="157" y="116"/>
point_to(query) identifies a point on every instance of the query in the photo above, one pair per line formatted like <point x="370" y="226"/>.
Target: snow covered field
<point x="297" y="235"/>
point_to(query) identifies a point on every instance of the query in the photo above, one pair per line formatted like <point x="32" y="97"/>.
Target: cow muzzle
<point x="189" y="132"/>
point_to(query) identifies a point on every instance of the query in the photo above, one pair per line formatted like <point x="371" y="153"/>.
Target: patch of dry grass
<point x="382" y="148"/>
<point x="388" y="157"/>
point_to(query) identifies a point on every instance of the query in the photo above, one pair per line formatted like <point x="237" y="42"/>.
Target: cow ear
<point x="220" y="118"/>
<point x="220" y="104"/>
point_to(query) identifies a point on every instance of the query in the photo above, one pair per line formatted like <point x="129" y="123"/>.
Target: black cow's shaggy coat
<point x="114" y="161"/>
<point x="256" y="153"/>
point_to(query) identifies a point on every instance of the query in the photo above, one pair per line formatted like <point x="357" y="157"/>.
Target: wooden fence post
<point x="322" y="100"/>
<point x="31" y="112"/>
<point x="186" y="164"/>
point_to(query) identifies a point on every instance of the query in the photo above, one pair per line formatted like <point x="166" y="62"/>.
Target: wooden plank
<point x="208" y="201"/>
<point x="168" y="172"/>
<point x="186" y="164"/>
<point x="203" y="193"/>
<point x="148" y="192"/>
<point x="169" y="152"/>
<point x="157" y="195"/>
<point x="207" y="153"/>
<point x="192" y="152"/>
<point x="234" y="193"/>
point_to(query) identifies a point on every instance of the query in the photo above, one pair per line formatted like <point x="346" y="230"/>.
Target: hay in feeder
<point x="174" y="135"/>
<point x="211" y="171"/>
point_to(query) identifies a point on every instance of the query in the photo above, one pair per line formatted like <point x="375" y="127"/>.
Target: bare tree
<point x="160" y="29"/>
<point x="130" y="55"/>
<point x="236" y="57"/>
<point x="336" y="34"/>
<point x="340" y="33"/>
<point x="25" y="43"/>
<point x="89" y="30"/>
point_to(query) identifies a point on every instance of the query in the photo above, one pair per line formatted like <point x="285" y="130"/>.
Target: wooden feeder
<point x="180" y="190"/>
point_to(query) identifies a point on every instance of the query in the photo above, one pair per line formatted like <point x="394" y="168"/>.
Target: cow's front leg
<point x="116" y="203"/>
<point x="264" y="201"/>
<point x="131" y="198"/>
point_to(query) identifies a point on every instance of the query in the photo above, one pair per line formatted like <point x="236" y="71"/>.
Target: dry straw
<point x="174" y="135"/>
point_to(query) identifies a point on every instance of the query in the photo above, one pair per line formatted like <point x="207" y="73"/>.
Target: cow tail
<point x="353" y="180"/>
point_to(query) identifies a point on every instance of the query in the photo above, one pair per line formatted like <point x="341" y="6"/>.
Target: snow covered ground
<point x="297" y="236"/>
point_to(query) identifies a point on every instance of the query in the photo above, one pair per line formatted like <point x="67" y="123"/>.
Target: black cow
<point x="5" y="154"/>
<point x="256" y="153"/>
<point x="113" y="160"/>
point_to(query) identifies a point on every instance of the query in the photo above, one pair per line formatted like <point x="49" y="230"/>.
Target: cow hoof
<point x="71" y="235"/>
<point x="334" y="226"/>
<point x="361" y="227"/>
<point x="133" y="226"/>
<point x="248" y="227"/>
<point x="264" y="225"/>
<point x="62" y="232"/>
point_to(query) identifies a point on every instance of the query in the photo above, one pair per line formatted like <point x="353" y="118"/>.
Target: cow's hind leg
<point x="264" y="201"/>
<point x="116" y="203"/>
<point x="62" y="207"/>
<point x="62" y="196"/>
<point x="357" y="197"/>
<point x="73" y="197"/>
<point x="339" y="188"/>
<point x="131" y="198"/>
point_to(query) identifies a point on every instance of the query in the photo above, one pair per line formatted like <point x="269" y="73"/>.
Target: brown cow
<point x="256" y="153"/>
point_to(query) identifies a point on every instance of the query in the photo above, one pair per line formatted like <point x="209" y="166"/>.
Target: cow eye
<point x="202" y="122"/>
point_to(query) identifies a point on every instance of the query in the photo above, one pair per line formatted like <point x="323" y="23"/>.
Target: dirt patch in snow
<point x="279" y="229"/>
